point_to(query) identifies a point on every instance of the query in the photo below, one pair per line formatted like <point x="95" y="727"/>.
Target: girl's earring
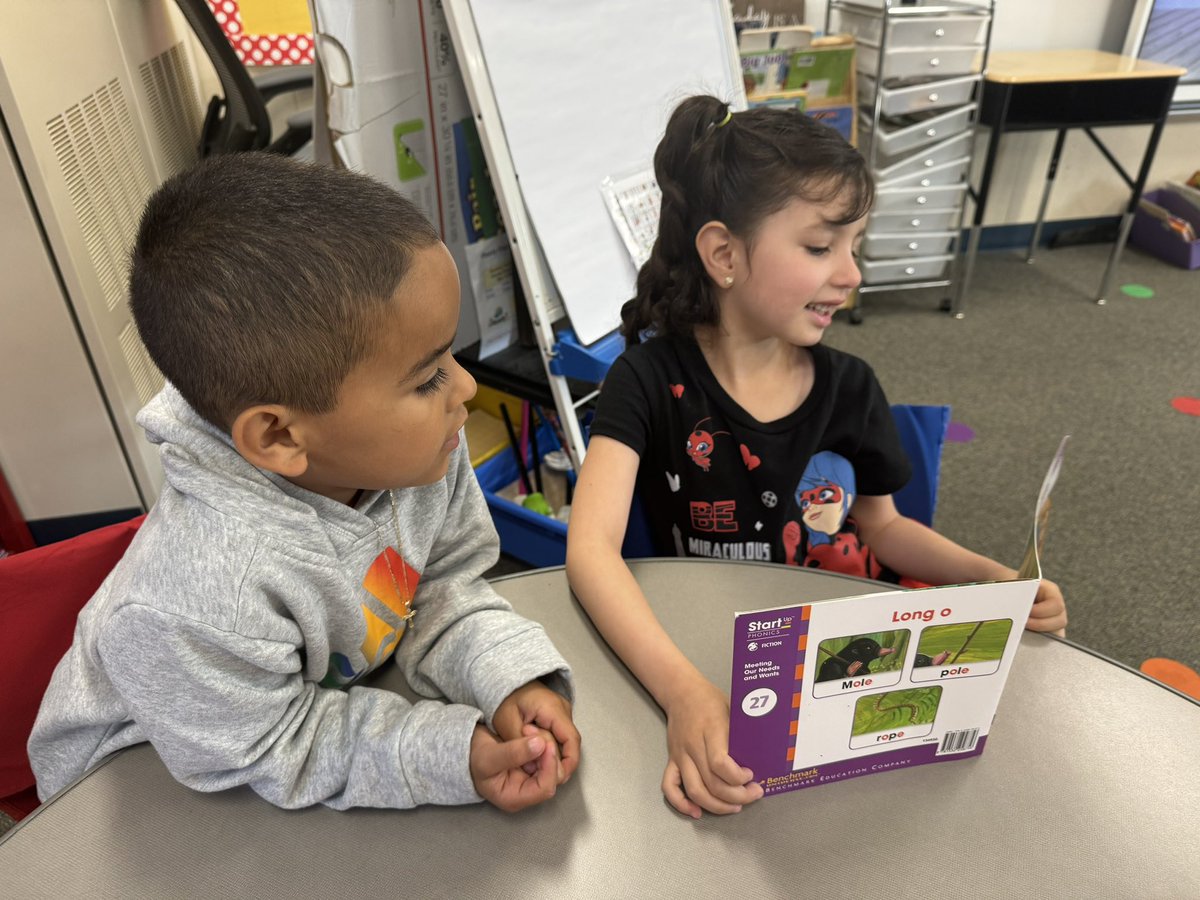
<point x="728" y="281"/>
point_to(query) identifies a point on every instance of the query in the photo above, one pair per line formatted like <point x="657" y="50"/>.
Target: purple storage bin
<point x="1151" y="234"/>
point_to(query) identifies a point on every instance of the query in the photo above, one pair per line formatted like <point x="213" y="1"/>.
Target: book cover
<point x="766" y="71"/>
<point x="836" y="689"/>
<point x="826" y="72"/>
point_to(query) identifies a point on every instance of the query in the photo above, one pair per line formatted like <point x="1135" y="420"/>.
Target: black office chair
<point x="239" y="120"/>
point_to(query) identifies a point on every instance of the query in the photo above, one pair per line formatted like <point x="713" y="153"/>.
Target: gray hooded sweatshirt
<point x="233" y="630"/>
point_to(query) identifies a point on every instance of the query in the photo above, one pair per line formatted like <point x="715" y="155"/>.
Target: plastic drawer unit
<point x="912" y="199"/>
<point x="924" y="159"/>
<point x="924" y="31"/>
<point x="915" y="268"/>
<point x="919" y="66"/>
<point x="918" y="62"/>
<point x="923" y="220"/>
<point x="902" y="134"/>
<point x="924" y="95"/>
<point x="946" y="173"/>
<point x="885" y="245"/>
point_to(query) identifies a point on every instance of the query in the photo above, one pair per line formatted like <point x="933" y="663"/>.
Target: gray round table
<point x="1089" y="787"/>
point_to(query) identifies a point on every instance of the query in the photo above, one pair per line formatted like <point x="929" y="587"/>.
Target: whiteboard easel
<point x="610" y="74"/>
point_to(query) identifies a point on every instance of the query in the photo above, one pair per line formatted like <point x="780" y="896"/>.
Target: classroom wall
<point x="1085" y="186"/>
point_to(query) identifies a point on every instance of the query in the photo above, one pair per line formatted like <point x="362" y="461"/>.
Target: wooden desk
<point x="1087" y="788"/>
<point x="1062" y="89"/>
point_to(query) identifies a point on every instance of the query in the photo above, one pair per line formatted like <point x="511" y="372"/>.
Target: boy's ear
<point x="718" y="252"/>
<point x="269" y="436"/>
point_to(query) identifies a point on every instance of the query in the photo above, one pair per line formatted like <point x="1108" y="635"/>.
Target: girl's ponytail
<point x="673" y="290"/>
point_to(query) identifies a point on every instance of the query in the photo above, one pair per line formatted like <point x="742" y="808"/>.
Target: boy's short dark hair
<point x="260" y="279"/>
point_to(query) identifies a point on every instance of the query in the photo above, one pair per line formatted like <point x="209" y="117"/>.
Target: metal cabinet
<point x="919" y="67"/>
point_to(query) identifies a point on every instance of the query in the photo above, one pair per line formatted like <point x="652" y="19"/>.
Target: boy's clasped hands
<point x="534" y="749"/>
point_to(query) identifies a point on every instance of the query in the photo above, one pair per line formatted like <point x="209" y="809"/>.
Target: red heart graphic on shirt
<point x="752" y="462"/>
<point x="677" y="390"/>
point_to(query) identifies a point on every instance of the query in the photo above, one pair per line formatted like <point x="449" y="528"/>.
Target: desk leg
<point x="1050" y="173"/>
<point x="1110" y="270"/>
<point x="985" y="182"/>
<point x="968" y="270"/>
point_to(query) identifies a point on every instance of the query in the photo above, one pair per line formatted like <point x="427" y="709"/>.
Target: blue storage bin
<point x="531" y="537"/>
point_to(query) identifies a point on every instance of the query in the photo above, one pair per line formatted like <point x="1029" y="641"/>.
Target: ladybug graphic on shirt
<point x="700" y="444"/>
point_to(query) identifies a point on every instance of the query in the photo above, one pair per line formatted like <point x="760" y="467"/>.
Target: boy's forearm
<point x="461" y="617"/>
<point x="248" y="716"/>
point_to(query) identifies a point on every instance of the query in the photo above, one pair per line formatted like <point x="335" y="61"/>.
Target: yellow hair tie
<point x="725" y="121"/>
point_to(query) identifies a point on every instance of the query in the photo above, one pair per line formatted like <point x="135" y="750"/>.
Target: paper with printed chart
<point x="835" y="689"/>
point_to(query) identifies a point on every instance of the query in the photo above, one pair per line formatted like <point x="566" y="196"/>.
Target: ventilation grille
<point x="147" y="380"/>
<point x="171" y="94"/>
<point x="104" y="172"/>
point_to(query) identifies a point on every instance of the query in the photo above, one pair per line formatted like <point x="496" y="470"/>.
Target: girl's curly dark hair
<point x="738" y="169"/>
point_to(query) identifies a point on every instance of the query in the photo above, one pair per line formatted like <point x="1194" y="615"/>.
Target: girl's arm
<point x="906" y="546"/>
<point x="697" y="712"/>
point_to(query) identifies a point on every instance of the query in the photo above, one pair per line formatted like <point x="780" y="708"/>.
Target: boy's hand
<point x="534" y="704"/>
<point x="700" y="772"/>
<point x="499" y="774"/>
<point x="1049" y="611"/>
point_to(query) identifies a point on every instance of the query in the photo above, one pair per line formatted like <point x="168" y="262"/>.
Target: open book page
<point x="841" y="688"/>
<point x="1031" y="565"/>
<point x="633" y="200"/>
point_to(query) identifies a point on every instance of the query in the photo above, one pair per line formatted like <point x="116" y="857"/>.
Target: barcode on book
<point x="959" y="741"/>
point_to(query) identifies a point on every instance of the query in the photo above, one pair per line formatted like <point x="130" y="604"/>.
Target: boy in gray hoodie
<point x="320" y="515"/>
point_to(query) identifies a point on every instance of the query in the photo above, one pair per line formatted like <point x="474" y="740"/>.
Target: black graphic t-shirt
<point x="716" y="482"/>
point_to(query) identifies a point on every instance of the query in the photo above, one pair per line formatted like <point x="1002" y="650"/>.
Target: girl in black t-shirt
<point x="742" y="434"/>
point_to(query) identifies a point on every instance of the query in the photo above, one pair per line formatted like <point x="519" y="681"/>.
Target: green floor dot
<point x="1137" y="290"/>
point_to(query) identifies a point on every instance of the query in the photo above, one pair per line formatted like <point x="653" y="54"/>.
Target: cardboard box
<point x="397" y="109"/>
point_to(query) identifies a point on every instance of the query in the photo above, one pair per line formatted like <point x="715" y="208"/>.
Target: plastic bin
<point x="898" y="101"/>
<point x="926" y="219"/>
<point x="947" y="173"/>
<point x="531" y="537"/>
<point x="918" y="62"/>
<point x="1152" y="235"/>
<point x="915" y="268"/>
<point x="920" y="129"/>
<point x="920" y="31"/>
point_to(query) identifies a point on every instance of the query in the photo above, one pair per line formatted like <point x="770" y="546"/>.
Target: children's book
<point x="766" y="71"/>
<point x="835" y="689"/>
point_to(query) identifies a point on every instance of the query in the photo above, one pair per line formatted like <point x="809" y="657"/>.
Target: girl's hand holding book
<point x="700" y="773"/>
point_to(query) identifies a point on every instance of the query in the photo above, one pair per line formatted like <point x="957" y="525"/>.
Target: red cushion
<point x="41" y="593"/>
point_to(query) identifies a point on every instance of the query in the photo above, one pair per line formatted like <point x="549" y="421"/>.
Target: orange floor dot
<point x="1170" y="672"/>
